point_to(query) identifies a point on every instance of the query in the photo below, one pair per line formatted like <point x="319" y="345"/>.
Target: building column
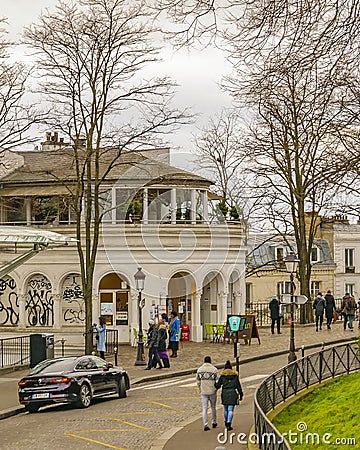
<point x="222" y="306"/>
<point x="113" y="205"/>
<point x="205" y="203"/>
<point x="57" y="311"/>
<point x="196" y="327"/>
<point x="28" y="210"/>
<point x="133" y="310"/>
<point x="95" y="307"/>
<point x="193" y="206"/>
<point x="237" y="303"/>
<point x="22" y="312"/>
<point x="173" y="206"/>
<point x="145" y="217"/>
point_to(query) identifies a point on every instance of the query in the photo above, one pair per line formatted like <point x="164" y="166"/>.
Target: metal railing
<point x="14" y="351"/>
<point x="262" y="312"/>
<point x="289" y="380"/>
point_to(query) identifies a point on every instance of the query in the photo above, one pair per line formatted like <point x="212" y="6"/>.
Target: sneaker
<point x="214" y="425"/>
<point x="206" y="428"/>
<point x="147" y="368"/>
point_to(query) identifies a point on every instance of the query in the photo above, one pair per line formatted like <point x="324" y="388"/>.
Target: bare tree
<point x="91" y="54"/>
<point x="220" y="152"/>
<point x="16" y="115"/>
<point x="296" y="78"/>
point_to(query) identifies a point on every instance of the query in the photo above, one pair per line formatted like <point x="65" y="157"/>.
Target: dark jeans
<point x="277" y="321"/>
<point x="153" y="357"/>
<point x="345" y="318"/>
<point x="319" y="319"/>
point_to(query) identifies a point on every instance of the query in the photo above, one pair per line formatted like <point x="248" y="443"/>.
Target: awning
<point x="9" y="234"/>
<point x="34" y="191"/>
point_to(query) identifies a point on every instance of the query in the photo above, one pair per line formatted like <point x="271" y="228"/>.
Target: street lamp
<point x="291" y="263"/>
<point x="139" y="283"/>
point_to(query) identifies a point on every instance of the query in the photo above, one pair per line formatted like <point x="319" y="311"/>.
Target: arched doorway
<point x="180" y="295"/>
<point x="114" y="304"/>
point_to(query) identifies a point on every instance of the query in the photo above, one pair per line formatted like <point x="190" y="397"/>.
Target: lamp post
<point x="139" y="283"/>
<point x="291" y="263"/>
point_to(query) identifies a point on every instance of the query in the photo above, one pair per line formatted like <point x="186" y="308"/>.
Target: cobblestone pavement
<point x="159" y="407"/>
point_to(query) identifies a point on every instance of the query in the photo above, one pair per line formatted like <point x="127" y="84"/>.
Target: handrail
<point x="291" y="379"/>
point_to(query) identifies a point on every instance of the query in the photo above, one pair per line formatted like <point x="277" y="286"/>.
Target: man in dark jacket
<point x="274" y="306"/>
<point x="329" y="308"/>
<point x="231" y="391"/>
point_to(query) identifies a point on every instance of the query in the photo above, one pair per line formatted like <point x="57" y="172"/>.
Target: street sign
<point x="236" y="322"/>
<point x="297" y="299"/>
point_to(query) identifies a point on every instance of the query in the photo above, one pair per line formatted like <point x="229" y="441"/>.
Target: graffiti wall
<point x="9" y="302"/>
<point x="73" y="304"/>
<point x="39" y="305"/>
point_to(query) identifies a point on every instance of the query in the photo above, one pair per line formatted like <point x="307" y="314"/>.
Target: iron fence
<point x="289" y="380"/>
<point x="15" y="351"/>
<point x="262" y="312"/>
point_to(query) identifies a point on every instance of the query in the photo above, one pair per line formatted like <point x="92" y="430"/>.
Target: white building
<point x="346" y="243"/>
<point x="193" y="259"/>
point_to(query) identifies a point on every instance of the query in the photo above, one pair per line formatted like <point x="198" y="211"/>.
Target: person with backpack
<point x="348" y="310"/>
<point x="319" y="306"/>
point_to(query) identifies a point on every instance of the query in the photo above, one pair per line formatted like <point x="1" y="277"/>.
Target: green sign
<point x="236" y="322"/>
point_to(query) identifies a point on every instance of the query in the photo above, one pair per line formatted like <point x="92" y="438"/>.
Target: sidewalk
<point x="191" y="355"/>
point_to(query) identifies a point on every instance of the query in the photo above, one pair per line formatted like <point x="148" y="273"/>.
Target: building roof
<point x="47" y="167"/>
<point x="261" y="252"/>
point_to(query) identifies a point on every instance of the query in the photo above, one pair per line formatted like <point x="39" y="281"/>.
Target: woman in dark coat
<point x="329" y="308"/>
<point x="161" y="345"/>
<point x="231" y="391"/>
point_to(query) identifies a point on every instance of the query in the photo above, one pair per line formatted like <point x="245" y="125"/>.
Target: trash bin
<point x="185" y="332"/>
<point x="41" y="347"/>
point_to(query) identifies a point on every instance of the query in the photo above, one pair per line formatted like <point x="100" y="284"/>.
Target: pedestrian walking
<point x="348" y="310"/>
<point x="153" y="357"/>
<point x="231" y="392"/>
<point x="319" y="306"/>
<point x="274" y="306"/>
<point x="206" y="377"/>
<point x="161" y="345"/>
<point x="100" y="336"/>
<point x="330" y="308"/>
<point x="174" y="328"/>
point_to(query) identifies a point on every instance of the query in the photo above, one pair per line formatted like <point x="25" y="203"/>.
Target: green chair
<point x="136" y="338"/>
<point x="220" y="332"/>
<point x="209" y="330"/>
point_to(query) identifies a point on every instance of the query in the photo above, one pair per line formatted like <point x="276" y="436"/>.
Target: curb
<point x="18" y="410"/>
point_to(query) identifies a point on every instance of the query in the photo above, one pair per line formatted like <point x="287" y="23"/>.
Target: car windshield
<point x="53" y="366"/>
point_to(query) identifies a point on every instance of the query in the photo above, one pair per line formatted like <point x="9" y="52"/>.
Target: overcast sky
<point x="197" y="72"/>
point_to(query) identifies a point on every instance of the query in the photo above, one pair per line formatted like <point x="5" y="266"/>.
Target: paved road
<point x="137" y="422"/>
<point x="163" y="413"/>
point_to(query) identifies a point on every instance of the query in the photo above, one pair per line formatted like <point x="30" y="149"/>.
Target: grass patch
<point x="330" y="412"/>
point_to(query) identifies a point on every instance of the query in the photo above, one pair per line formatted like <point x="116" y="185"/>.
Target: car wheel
<point x="32" y="408"/>
<point x="84" y="396"/>
<point x="122" y="388"/>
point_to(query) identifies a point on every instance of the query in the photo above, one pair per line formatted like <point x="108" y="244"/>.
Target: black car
<point x="71" y="380"/>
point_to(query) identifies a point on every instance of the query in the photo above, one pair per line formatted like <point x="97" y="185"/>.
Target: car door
<point x="87" y="367"/>
<point x="108" y="374"/>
